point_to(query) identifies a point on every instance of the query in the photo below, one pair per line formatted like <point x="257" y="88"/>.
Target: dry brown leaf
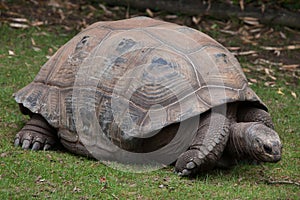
<point x="36" y="49"/>
<point x="149" y="12"/>
<point x="277" y="53"/>
<point x="289" y="47"/>
<point x="282" y="35"/>
<point x="246" y="70"/>
<point x="242" y="5"/>
<point x="196" y="20"/>
<point x="269" y="83"/>
<point x="229" y="32"/>
<point x="233" y="48"/>
<point x="247" y="40"/>
<point x="18" y="25"/>
<point x="106" y="11"/>
<point x="244" y="53"/>
<point x="33" y="42"/>
<point x="171" y="16"/>
<point x="255" y="30"/>
<point x="76" y="189"/>
<point x="267" y="71"/>
<point x="252" y="80"/>
<point x="54" y="3"/>
<point x="37" y="23"/>
<point x="294" y="94"/>
<point x="61" y="14"/>
<point x="251" y="21"/>
<point x="264" y="61"/>
<point x="257" y="35"/>
<point x="279" y="91"/>
<point x="290" y="67"/>
<point x="20" y="20"/>
<point x="11" y="53"/>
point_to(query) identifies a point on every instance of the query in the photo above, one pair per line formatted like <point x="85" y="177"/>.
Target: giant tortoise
<point x="142" y="90"/>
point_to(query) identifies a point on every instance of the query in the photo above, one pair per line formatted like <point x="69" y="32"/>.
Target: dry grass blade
<point x="18" y="25"/>
<point x="245" y="53"/>
<point x="289" y="47"/>
<point x="269" y="181"/>
<point x="290" y="67"/>
<point x="149" y="12"/>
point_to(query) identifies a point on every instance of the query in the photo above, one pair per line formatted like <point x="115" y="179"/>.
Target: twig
<point x="268" y="181"/>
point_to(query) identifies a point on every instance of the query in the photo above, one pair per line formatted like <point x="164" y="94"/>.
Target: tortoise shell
<point x="135" y="76"/>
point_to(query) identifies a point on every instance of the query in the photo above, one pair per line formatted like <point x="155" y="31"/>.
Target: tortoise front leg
<point x="36" y="134"/>
<point x="207" y="146"/>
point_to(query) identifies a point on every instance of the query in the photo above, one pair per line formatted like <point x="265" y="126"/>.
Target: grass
<point x="61" y="175"/>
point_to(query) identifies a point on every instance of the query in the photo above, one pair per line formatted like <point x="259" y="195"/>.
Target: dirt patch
<point x="271" y="52"/>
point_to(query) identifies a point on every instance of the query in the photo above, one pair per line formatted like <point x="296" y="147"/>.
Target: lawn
<point x="61" y="175"/>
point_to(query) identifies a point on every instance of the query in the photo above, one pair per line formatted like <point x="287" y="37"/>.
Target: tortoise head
<point x="263" y="143"/>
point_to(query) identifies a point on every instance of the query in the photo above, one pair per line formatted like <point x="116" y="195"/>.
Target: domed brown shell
<point x="135" y="76"/>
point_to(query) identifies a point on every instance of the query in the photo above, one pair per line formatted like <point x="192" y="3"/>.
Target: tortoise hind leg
<point x="37" y="134"/>
<point x="207" y="146"/>
<point x="72" y="142"/>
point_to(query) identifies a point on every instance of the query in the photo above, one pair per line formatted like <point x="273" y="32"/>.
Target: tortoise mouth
<point x="270" y="158"/>
<point x="270" y="154"/>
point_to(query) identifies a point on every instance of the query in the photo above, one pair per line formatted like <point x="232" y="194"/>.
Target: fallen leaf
<point x="244" y="53"/>
<point x="37" y="23"/>
<point x="267" y="71"/>
<point x="149" y="12"/>
<point x="288" y="47"/>
<point x="294" y="94"/>
<point x="279" y="91"/>
<point x="270" y="83"/>
<point x="171" y="16"/>
<point x="229" y="32"/>
<point x="252" y="80"/>
<point x="251" y="21"/>
<point x="22" y="20"/>
<point x="17" y="25"/>
<point x="196" y="20"/>
<point x="233" y="48"/>
<point x="282" y="35"/>
<point x="36" y="49"/>
<point x="4" y="154"/>
<point x="76" y="189"/>
<point x="33" y="42"/>
<point x="11" y="53"/>
<point x="242" y="5"/>
<point x="290" y="67"/>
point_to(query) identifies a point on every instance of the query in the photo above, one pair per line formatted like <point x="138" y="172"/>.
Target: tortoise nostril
<point x="268" y="149"/>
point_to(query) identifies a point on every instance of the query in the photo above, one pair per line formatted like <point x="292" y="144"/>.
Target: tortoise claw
<point x="36" y="146"/>
<point x="46" y="147"/>
<point x="186" y="172"/>
<point x="25" y="144"/>
<point x="17" y="142"/>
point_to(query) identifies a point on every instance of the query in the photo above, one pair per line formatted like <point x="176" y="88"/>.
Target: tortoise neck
<point x="239" y="143"/>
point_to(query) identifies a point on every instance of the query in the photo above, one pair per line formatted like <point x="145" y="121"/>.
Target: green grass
<point x="61" y="175"/>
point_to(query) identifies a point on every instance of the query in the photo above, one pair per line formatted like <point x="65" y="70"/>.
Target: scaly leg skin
<point x="71" y="142"/>
<point x="207" y="146"/>
<point x="252" y="114"/>
<point x="37" y="134"/>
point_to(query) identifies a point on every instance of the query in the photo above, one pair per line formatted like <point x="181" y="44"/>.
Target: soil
<point x="272" y="52"/>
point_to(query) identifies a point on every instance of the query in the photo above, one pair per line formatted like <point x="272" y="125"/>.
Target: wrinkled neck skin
<point x="240" y="145"/>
